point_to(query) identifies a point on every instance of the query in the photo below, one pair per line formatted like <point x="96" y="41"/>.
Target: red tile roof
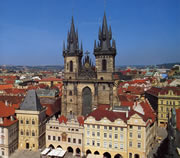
<point x="148" y="110"/>
<point x="8" y="122"/>
<point x="178" y="119"/>
<point x="6" y="111"/>
<point x="149" y="113"/>
<point x="6" y="86"/>
<point x="51" y="109"/>
<point x="165" y="90"/>
<point x="81" y="120"/>
<point x="154" y="91"/>
<point x="9" y="77"/>
<point x="50" y="79"/>
<point x="99" y="114"/>
<point x="12" y="99"/>
<point x="104" y="106"/>
<point x="62" y="119"/>
<point x="15" y="91"/>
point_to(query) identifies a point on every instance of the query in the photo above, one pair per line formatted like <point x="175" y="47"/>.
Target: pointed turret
<point x="81" y="47"/>
<point x="63" y="46"/>
<point x="72" y="42"/>
<point x="113" y="44"/>
<point x="105" y="36"/>
<point x="105" y="52"/>
<point x="94" y="44"/>
<point x="104" y="26"/>
<point x="110" y="33"/>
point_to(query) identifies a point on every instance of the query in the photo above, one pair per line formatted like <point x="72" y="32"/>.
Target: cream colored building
<point x="168" y="98"/>
<point x="8" y="132"/>
<point x="120" y="132"/>
<point x="32" y="119"/>
<point x="66" y="133"/>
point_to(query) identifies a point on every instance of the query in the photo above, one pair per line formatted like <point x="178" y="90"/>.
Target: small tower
<point x="105" y="52"/>
<point x="72" y="54"/>
<point x="32" y="123"/>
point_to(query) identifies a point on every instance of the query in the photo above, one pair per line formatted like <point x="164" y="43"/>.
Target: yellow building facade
<point x="32" y="122"/>
<point x="168" y="98"/>
<point x="128" y="134"/>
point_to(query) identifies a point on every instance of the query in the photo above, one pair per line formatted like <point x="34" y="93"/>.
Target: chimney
<point x="1" y="120"/>
<point x="12" y="118"/>
<point x="127" y="114"/>
<point x="6" y="102"/>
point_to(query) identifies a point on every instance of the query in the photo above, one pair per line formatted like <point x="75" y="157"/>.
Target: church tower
<point x="86" y="86"/>
<point x="105" y="52"/>
<point x="72" y="54"/>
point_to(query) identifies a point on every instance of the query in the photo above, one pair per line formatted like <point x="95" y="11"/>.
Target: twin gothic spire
<point x="103" y="46"/>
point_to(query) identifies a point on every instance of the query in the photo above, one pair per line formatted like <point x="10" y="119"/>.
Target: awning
<point x="45" y="151"/>
<point x="57" y="152"/>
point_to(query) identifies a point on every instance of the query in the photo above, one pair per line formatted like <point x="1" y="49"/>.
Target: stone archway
<point x="59" y="146"/>
<point x="78" y="151"/>
<point x="88" y="152"/>
<point x="136" y="156"/>
<point x="86" y="101"/>
<point x="70" y="149"/>
<point x="96" y="153"/>
<point x="117" y="156"/>
<point x="51" y="146"/>
<point x="107" y="155"/>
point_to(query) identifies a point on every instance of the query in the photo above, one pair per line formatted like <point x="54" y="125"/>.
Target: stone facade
<point x="9" y="139"/>
<point x="85" y="86"/>
<point x="66" y="133"/>
<point x="119" y="134"/>
<point x="32" y="122"/>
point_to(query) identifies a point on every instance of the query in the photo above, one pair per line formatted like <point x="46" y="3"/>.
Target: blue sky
<point x="32" y="31"/>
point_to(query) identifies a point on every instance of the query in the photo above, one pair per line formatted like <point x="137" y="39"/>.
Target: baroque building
<point x="86" y="85"/>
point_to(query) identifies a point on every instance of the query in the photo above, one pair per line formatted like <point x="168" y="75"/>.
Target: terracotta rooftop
<point x="62" y="119"/>
<point x="50" y="79"/>
<point x="6" y="112"/>
<point x="178" y="119"/>
<point x="6" y="86"/>
<point x="149" y="113"/>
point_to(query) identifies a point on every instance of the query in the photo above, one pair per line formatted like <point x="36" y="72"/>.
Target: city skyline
<point x="145" y="32"/>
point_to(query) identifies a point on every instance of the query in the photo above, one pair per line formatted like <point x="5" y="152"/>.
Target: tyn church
<point x="86" y="86"/>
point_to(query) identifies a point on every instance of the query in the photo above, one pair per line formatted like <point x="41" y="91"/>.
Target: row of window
<point x="169" y="102"/>
<point x="58" y="138"/>
<point x="110" y="135"/>
<point x="27" y="122"/>
<point x="27" y="133"/>
<point x="111" y="128"/>
<point x="138" y="135"/>
<point x="131" y="144"/>
<point x="105" y="144"/>
<point x="164" y="116"/>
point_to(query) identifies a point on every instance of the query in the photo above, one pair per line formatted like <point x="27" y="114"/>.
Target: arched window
<point x="71" y="66"/>
<point x="104" y="65"/>
<point x="33" y="122"/>
<point x="33" y="133"/>
<point x="70" y="93"/>
<point x="21" y="132"/>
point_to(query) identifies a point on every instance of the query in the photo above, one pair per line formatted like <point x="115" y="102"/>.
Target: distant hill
<point x="46" y="67"/>
<point x="168" y="65"/>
